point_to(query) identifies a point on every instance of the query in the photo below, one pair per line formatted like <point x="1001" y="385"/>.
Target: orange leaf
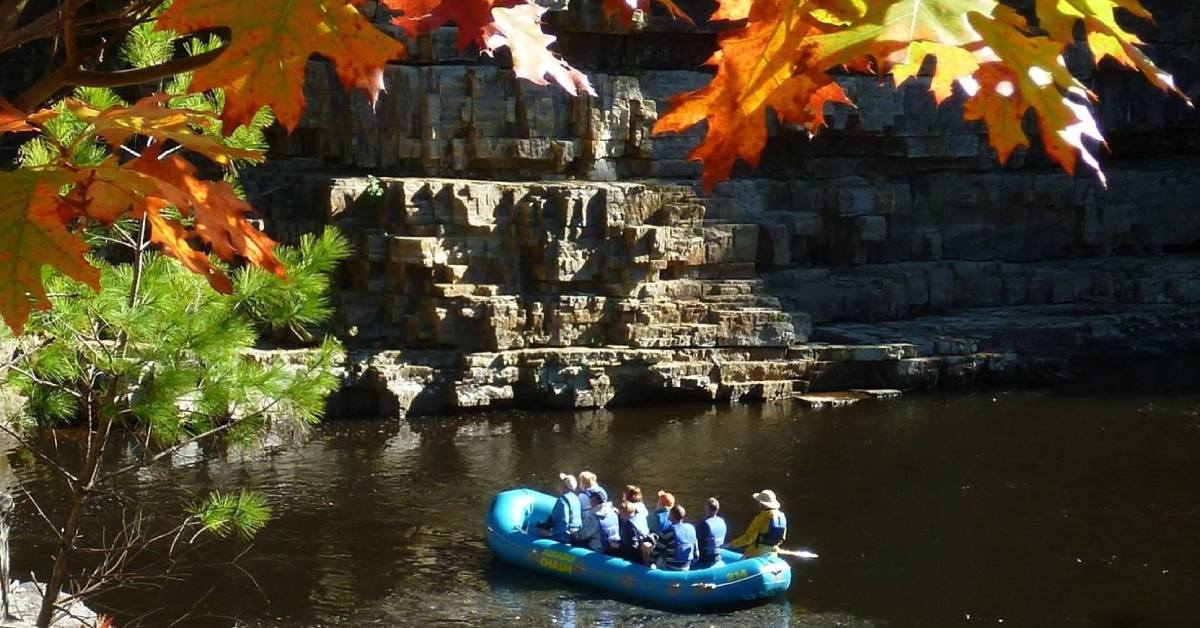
<point x="470" y="17"/>
<point x="775" y="61"/>
<point x="33" y="235"/>
<point x="624" y="10"/>
<point x="220" y="216"/>
<point x="520" y="29"/>
<point x="1043" y="84"/>
<point x="732" y="10"/>
<point x="952" y="64"/>
<point x="271" y="43"/>
<point x="175" y="242"/>
<point x="149" y="118"/>
<point x="995" y="105"/>
<point x="12" y="120"/>
<point x="1105" y="36"/>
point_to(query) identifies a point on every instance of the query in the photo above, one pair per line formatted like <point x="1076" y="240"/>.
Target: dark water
<point x="1023" y="508"/>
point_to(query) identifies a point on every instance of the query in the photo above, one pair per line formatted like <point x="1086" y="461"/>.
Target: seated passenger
<point x="711" y="532"/>
<point x="635" y="538"/>
<point x="601" y="527"/>
<point x="566" y="517"/>
<point x="767" y="531"/>
<point x="661" y="518"/>
<point x="676" y="547"/>
<point x="633" y="495"/>
<point x="588" y="485"/>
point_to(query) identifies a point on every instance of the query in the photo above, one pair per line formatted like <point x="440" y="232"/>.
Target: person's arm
<point x="756" y="527"/>
<point x="665" y="540"/>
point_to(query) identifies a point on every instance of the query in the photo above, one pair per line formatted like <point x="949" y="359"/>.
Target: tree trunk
<point x="96" y="442"/>
<point x="62" y="561"/>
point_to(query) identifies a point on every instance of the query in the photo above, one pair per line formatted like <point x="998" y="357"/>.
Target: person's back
<point x="661" y="519"/>
<point x="677" y="544"/>
<point x="640" y="517"/>
<point x="601" y="529"/>
<point x="633" y="541"/>
<point x="566" y="518"/>
<point x="608" y="540"/>
<point x="711" y="532"/>
<point x="588" y="486"/>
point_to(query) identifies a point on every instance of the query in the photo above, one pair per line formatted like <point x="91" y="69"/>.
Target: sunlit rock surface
<point x="518" y="246"/>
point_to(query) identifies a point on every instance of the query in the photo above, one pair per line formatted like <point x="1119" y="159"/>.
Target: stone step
<point x="820" y="401"/>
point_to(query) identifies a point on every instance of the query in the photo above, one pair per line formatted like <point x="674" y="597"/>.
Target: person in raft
<point x="587" y="486"/>
<point x="601" y="527"/>
<point x="635" y="539"/>
<point x="633" y="495"/>
<point x="566" y="517"/>
<point x="768" y="529"/>
<point x="711" y="532"/>
<point x="676" y="546"/>
<point x="661" y="519"/>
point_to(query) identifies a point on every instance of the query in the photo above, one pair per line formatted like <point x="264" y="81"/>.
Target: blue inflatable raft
<point x="737" y="581"/>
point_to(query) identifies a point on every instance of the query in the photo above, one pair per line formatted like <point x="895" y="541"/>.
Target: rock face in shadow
<point x="515" y="245"/>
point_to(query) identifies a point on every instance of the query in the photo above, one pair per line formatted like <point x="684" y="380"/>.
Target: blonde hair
<point x="587" y="479"/>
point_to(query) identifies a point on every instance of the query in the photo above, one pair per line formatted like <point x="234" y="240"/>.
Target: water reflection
<point x="1036" y="508"/>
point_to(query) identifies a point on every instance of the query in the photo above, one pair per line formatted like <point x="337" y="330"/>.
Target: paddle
<point x="801" y="554"/>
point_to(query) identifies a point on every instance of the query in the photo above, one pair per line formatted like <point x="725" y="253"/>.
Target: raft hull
<point x="737" y="581"/>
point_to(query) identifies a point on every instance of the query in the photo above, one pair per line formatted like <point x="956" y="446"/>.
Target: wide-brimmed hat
<point x="767" y="498"/>
<point x="568" y="479"/>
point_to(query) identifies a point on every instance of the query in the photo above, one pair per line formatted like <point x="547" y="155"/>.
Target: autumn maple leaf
<point x="624" y="10"/>
<point x="272" y="41"/>
<point x="149" y="118"/>
<point x="1044" y="85"/>
<point x="33" y="234"/>
<point x="219" y="215"/>
<point x="12" y="120"/>
<point x="773" y="62"/>
<point x="520" y="29"/>
<point x="470" y="17"/>
<point x="1105" y="36"/>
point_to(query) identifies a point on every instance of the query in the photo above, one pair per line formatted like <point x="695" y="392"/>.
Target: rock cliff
<point x="516" y="245"/>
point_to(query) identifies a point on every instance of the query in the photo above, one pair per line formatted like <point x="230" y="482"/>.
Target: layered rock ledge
<point x="516" y="246"/>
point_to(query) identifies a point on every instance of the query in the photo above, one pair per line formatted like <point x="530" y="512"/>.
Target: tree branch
<point x="70" y="37"/>
<point x="67" y="76"/>
<point x="10" y="12"/>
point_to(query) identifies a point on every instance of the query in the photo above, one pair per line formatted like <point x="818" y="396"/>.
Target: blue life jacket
<point x="776" y="530"/>
<point x="610" y="528"/>
<point x="640" y="517"/>
<point x="685" y="545"/>
<point x="660" y="521"/>
<point x="566" y="517"/>
<point x="712" y="536"/>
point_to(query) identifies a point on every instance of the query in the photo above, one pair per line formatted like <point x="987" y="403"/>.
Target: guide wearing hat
<point x="768" y="529"/>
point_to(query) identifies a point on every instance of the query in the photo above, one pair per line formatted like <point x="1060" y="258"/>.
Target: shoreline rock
<point x="25" y="600"/>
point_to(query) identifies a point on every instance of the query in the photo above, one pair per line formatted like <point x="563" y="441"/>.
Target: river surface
<point x="1014" y="508"/>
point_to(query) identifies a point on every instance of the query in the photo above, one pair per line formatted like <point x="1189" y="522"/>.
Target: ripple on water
<point x="924" y="511"/>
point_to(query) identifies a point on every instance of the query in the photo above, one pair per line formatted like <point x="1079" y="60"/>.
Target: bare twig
<point x="41" y="512"/>
<point x="37" y="452"/>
